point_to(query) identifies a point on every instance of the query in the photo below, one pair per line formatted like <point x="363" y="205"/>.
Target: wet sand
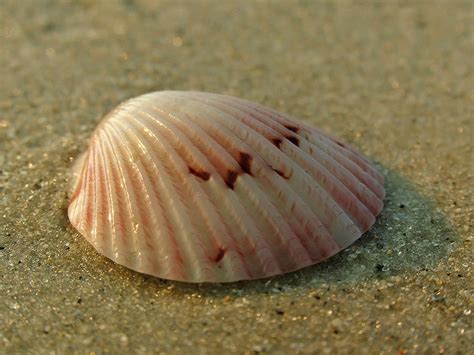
<point x="394" y="79"/>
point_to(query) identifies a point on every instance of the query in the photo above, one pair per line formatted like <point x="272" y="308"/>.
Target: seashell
<point x="201" y="187"/>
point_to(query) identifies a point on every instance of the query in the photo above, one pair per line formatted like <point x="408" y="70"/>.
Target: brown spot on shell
<point x="220" y="255"/>
<point x="281" y="173"/>
<point x="230" y="178"/>
<point x="292" y="128"/>
<point x="200" y="173"/>
<point x="277" y="142"/>
<point x="245" y="161"/>
<point x="340" y="144"/>
<point x="293" y="140"/>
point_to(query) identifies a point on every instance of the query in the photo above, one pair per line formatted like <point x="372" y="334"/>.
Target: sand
<point x="395" y="79"/>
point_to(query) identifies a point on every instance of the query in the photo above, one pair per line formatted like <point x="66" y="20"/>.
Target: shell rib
<point x="201" y="187"/>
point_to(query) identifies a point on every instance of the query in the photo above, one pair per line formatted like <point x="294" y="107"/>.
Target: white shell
<point x="201" y="187"/>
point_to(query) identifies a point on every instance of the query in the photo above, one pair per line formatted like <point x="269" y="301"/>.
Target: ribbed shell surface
<point x="201" y="187"/>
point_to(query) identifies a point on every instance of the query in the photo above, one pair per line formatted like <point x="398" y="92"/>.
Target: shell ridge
<point x="318" y="234"/>
<point x="164" y="234"/>
<point x="226" y="198"/>
<point x="185" y="224"/>
<point x="344" y="149"/>
<point x="339" y="192"/>
<point x="357" y="158"/>
<point x="205" y="214"/>
<point x="365" y="178"/>
<point x="252" y="148"/>
<point x="245" y="181"/>
<point x="214" y="241"/>
<point x="302" y="156"/>
<point x="223" y="196"/>
<point x="235" y="203"/>
<point x="334" y="168"/>
<point x="364" y="161"/>
<point x="119" y="224"/>
<point x="112" y="216"/>
<point x="79" y="183"/>
<point x="145" y="226"/>
<point x="267" y="131"/>
<point x="352" y="182"/>
<point x="319" y="137"/>
<point x="97" y="227"/>
<point x="172" y="130"/>
<point x="342" y="176"/>
<point x="126" y="212"/>
<point x="284" y="118"/>
<point x="218" y="157"/>
<point x="224" y="129"/>
<point x="345" y="231"/>
<point x="80" y="214"/>
<point x="277" y="224"/>
<point x="90" y="217"/>
<point x="85" y="218"/>
<point x="332" y="149"/>
<point x="280" y="129"/>
<point x="230" y="148"/>
<point x="343" y="145"/>
<point x="78" y="200"/>
<point x="202" y="157"/>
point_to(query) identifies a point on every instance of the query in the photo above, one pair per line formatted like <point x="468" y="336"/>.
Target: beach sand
<point x="395" y="79"/>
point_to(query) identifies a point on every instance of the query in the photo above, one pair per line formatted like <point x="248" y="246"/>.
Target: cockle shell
<point x="200" y="187"/>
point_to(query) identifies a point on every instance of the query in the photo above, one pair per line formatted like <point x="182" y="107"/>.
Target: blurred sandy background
<point x="393" y="78"/>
